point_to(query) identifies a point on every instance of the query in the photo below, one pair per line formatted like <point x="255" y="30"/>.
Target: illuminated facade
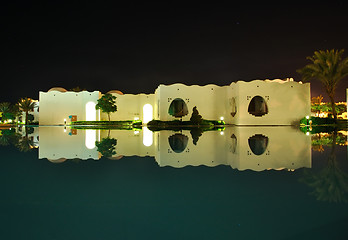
<point x="266" y="102"/>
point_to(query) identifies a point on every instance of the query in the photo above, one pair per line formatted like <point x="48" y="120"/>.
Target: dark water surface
<point x="135" y="198"/>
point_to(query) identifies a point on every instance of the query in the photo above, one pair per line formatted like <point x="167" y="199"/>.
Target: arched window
<point x="178" y="108"/>
<point x="147" y="113"/>
<point x="258" y="106"/>
<point x="91" y="112"/>
<point x="258" y="144"/>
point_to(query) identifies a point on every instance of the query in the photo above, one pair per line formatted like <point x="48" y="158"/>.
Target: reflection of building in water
<point x="256" y="148"/>
<point x="59" y="143"/>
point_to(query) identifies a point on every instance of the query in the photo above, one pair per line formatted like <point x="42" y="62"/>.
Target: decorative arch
<point x="58" y="89"/>
<point x="258" y="144"/>
<point x="178" y="108"/>
<point x="115" y="91"/>
<point x="258" y="106"/>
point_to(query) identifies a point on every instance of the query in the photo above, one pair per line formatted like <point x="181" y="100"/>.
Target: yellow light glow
<point x="91" y="112"/>
<point x="147" y="113"/>
<point x="221" y="118"/>
<point x="147" y="137"/>
<point x="90" y="138"/>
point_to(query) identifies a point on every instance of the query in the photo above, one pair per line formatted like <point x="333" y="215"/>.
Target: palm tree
<point x="5" y="108"/>
<point x="329" y="68"/>
<point x="26" y="105"/>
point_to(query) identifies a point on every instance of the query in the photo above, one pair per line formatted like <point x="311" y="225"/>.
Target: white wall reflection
<point x="255" y="148"/>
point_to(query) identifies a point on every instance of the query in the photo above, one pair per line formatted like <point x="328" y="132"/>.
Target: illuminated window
<point x="147" y="113"/>
<point x="147" y="137"/>
<point x="90" y="138"/>
<point x="91" y="112"/>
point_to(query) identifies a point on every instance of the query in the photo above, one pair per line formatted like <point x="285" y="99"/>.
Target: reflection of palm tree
<point x="8" y="137"/>
<point x="25" y="144"/>
<point x="331" y="183"/>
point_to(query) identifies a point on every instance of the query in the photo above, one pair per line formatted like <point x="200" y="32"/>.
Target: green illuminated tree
<point x="107" y="104"/>
<point x="26" y="105"/>
<point x="329" y="68"/>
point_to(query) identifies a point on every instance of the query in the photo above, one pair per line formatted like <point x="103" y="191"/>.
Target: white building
<point x="267" y="102"/>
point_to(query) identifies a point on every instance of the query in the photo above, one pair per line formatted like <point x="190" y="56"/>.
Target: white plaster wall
<point x="129" y="106"/>
<point x="56" y="106"/>
<point x="211" y="100"/>
<point x="287" y="102"/>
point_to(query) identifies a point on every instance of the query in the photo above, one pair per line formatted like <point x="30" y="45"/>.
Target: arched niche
<point x="178" y="108"/>
<point x="258" y="106"/>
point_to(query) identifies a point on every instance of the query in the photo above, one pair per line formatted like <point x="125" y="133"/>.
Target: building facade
<point x="259" y="102"/>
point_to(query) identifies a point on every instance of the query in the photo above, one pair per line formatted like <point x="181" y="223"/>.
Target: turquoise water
<point x="135" y="197"/>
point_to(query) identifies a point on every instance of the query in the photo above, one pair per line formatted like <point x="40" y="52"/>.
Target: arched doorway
<point x="258" y="106"/>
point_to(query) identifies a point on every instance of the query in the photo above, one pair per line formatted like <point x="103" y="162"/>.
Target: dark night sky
<point x="136" y="48"/>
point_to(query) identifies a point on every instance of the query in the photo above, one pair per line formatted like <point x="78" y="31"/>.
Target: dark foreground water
<point x="135" y="198"/>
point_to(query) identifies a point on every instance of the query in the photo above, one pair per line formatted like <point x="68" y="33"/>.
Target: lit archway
<point x="147" y="113"/>
<point x="258" y="106"/>
<point x="91" y="112"/>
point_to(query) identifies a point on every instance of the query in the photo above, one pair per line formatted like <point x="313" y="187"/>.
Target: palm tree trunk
<point x="333" y="106"/>
<point x="109" y="116"/>
<point x="26" y="117"/>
